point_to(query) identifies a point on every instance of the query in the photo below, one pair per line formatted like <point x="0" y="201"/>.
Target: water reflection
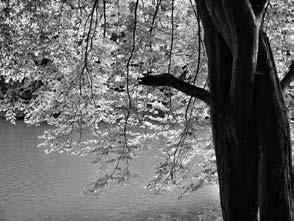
<point x="36" y="186"/>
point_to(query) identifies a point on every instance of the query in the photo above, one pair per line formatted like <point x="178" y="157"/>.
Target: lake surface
<point x="39" y="186"/>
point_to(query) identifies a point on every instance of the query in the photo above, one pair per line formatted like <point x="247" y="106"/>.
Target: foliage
<point x="75" y="64"/>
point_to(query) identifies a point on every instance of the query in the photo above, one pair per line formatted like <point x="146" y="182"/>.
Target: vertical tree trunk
<point x="253" y="154"/>
<point x="237" y="165"/>
<point x="237" y="174"/>
<point x="274" y="143"/>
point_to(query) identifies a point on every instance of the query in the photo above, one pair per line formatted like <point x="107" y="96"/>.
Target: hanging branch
<point x="125" y="146"/>
<point x="128" y="69"/>
<point x="104" y="17"/>
<point x="90" y="75"/>
<point x="183" y="134"/>
<point x="117" y="14"/>
<point x="171" y="51"/>
<point x="85" y="65"/>
<point x="199" y="49"/>
<point x="132" y="52"/>
<point x="198" y="21"/>
<point x="199" y="56"/>
<point x="95" y="27"/>
<point x="172" y="38"/>
<point x="89" y="34"/>
<point x="153" y="21"/>
<point x="88" y="40"/>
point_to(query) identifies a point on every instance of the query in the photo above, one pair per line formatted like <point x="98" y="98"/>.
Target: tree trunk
<point x="251" y="132"/>
<point x="272" y="129"/>
<point x="237" y="166"/>
<point x="249" y="120"/>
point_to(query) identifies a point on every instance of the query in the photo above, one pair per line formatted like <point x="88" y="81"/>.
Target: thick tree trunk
<point x="251" y="132"/>
<point x="272" y="129"/>
<point x="236" y="158"/>
<point x="236" y="161"/>
<point x="265" y="158"/>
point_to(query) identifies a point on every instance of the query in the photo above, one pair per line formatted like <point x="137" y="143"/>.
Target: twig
<point x="289" y="77"/>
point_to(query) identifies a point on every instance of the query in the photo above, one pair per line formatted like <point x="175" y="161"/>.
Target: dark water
<point x="36" y="186"/>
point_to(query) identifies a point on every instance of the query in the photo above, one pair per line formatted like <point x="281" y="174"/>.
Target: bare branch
<point x="153" y="21"/>
<point x="171" y="81"/>
<point x="127" y="78"/>
<point x="172" y="38"/>
<point x="289" y="77"/>
<point x="104" y="17"/>
<point x="199" y="57"/>
<point x="171" y="50"/>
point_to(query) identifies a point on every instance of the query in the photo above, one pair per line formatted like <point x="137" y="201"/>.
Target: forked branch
<point x="289" y="77"/>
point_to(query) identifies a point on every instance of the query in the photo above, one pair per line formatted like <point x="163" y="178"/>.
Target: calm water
<point x="36" y="186"/>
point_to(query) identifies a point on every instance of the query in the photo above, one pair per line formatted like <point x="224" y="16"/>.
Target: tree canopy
<point x="76" y="64"/>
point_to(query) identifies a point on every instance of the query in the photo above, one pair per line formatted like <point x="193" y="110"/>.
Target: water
<point x="36" y="186"/>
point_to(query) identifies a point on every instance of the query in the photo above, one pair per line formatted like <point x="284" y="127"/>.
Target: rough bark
<point x="289" y="77"/>
<point x="235" y="147"/>
<point x="273" y="133"/>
